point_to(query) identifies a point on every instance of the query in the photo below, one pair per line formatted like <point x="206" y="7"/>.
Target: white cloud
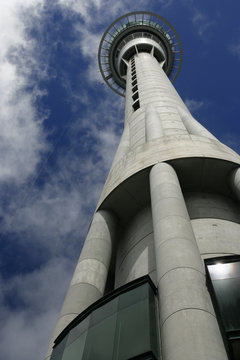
<point x="22" y="140"/>
<point x="166" y="3"/>
<point x="49" y="218"/>
<point x="231" y="140"/>
<point x="201" y="21"/>
<point x="235" y="49"/>
<point x="82" y="7"/>
<point x="27" y="320"/>
<point x="96" y="12"/>
<point x="99" y="11"/>
<point x="193" y="105"/>
<point x="57" y="217"/>
<point x="89" y="43"/>
<point x="59" y="211"/>
<point x="26" y="330"/>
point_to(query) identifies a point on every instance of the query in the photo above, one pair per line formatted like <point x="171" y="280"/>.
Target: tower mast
<point x="167" y="216"/>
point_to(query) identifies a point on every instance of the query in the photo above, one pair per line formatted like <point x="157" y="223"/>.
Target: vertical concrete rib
<point x="187" y="320"/>
<point x="156" y="89"/>
<point x="89" y="279"/>
<point x="193" y="126"/>
<point x="153" y="124"/>
<point x="124" y="144"/>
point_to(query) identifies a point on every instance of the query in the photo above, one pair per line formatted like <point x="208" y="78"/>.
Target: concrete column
<point x="235" y="182"/>
<point x="89" y="279"/>
<point x="189" y="328"/>
<point x="193" y="126"/>
<point x="153" y="124"/>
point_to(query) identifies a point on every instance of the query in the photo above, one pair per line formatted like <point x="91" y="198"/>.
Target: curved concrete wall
<point x="216" y="223"/>
<point x="165" y="149"/>
<point x="135" y="254"/>
<point x="216" y="237"/>
<point x="210" y="205"/>
<point x="161" y="129"/>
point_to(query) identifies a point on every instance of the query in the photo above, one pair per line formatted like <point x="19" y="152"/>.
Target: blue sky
<point x="57" y="139"/>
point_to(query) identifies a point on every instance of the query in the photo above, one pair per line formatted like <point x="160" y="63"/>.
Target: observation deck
<point x="131" y="34"/>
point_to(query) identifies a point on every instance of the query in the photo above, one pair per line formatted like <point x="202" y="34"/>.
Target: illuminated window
<point x="223" y="275"/>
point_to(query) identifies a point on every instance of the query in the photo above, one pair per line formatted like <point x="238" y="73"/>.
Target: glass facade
<point x="122" y="326"/>
<point x="224" y="285"/>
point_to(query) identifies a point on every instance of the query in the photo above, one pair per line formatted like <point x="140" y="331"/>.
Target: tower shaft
<point x="156" y="90"/>
<point x="168" y="213"/>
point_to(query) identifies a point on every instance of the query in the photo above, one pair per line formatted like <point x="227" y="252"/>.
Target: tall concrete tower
<point x="159" y="273"/>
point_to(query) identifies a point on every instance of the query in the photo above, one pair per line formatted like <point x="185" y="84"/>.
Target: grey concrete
<point x="216" y="237"/>
<point x="197" y="339"/>
<point x="136" y="43"/>
<point x="89" y="279"/>
<point x="135" y="254"/>
<point x="143" y="143"/>
<point x="153" y="124"/>
<point x="184" y="303"/>
<point x="193" y="126"/>
<point x="210" y="205"/>
<point x="123" y="146"/>
<point x="165" y="149"/>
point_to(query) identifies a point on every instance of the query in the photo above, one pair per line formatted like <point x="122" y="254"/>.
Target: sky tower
<point x="159" y="273"/>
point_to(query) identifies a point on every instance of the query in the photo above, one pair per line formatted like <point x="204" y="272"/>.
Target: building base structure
<point x="159" y="273"/>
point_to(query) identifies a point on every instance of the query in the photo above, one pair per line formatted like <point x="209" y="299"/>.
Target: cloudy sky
<point x="57" y="140"/>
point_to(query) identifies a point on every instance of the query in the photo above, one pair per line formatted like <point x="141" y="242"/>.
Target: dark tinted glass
<point x="100" y="340"/>
<point x="135" y="88"/>
<point x="153" y="315"/>
<point x="78" y="330"/>
<point x="136" y="105"/>
<point x="58" y="350"/>
<point x="74" y="351"/>
<point x="122" y="328"/>
<point x="132" y="334"/>
<point x="235" y="347"/>
<point x="133" y="296"/>
<point x="135" y="96"/>
<point x="104" y="312"/>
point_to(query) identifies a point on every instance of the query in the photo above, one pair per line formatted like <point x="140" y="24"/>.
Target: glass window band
<point x="121" y="325"/>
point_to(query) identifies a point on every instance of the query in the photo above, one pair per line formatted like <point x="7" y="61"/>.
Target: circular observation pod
<point x="136" y="32"/>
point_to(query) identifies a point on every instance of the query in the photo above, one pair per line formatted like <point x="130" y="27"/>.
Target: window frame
<point x="104" y="300"/>
<point x="226" y="335"/>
